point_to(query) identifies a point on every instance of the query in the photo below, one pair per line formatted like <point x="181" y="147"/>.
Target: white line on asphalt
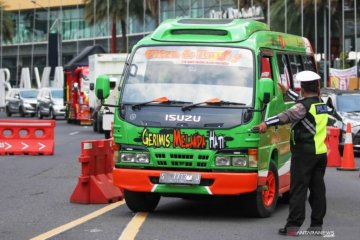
<point x="133" y="226"/>
<point x="77" y="222"/>
<point x="73" y="133"/>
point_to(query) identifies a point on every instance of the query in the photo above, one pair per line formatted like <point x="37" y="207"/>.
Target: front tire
<point x="52" y="114"/>
<point x="263" y="201"/>
<point x="141" y="201"/>
<point x="21" y="111"/>
<point x="8" y="113"/>
<point x="38" y="114"/>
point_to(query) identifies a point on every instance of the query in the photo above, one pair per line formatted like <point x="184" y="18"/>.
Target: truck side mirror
<point x="102" y="87"/>
<point x="266" y="90"/>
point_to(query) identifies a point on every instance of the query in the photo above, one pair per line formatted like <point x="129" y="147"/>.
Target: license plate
<point x="180" y="178"/>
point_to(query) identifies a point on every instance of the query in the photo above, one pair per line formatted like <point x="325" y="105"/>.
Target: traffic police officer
<point x="308" y="162"/>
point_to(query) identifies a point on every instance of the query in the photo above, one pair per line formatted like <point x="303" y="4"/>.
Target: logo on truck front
<point x="182" y="118"/>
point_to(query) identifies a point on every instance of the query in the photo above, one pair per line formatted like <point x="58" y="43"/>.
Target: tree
<point x="7" y="24"/>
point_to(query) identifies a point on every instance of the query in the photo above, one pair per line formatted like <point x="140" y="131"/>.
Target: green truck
<point x="191" y="95"/>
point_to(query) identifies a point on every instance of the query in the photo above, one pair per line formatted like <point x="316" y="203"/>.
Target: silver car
<point x="50" y="103"/>
<point x="22" y="101"/>
<point x="346" y="105"/>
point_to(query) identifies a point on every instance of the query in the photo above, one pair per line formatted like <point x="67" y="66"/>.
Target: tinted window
<point x="296" y="66"/>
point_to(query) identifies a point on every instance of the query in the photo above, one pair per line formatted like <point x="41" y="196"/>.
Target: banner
<point x="340" y="78"/>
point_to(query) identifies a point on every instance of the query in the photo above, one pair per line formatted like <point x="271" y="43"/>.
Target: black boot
<point x="289" y="231"/>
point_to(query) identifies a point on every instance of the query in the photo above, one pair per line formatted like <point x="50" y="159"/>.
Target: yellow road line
<point x="133" y="226"/>
<point x="78" y="221"/>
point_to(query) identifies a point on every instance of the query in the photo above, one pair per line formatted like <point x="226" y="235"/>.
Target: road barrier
<point x="95" y="183"/>
<point x="27" y="137"/>
<point x="332" y="143"/>
<point x="348" y="161"/>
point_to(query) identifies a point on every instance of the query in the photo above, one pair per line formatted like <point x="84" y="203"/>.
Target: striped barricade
<point x="28" y="137"/>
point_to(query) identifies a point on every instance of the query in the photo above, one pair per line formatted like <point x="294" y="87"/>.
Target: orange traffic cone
<point x="348" y="161"/>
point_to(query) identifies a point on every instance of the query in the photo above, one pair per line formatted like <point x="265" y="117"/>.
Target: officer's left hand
<point x="262" y="127"/>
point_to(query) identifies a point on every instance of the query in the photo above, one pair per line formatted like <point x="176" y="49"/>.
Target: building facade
<point x="331" y="26"/>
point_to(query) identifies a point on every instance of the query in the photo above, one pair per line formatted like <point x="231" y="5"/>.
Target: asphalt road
<point x="35" y="192"/>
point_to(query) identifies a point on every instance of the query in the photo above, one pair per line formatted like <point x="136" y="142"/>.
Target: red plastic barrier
<point x="95" y="183"/>
<point x="332" y="143"/>
<point x="31" y="137"/>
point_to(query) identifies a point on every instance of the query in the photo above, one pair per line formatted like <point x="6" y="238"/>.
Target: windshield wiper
<point x="157" y="100"/>
<point x="214" y="101"/>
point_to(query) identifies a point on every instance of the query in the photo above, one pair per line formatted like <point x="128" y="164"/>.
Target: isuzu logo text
<point x="182" y="118"/>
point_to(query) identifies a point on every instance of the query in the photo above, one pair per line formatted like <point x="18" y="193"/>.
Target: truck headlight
<point x="127" y="157"/>
<point x="134" y="157"/>
<point x="142" y="158"/>
<point x="223" y="161"/>
<point x="239" y="161"/>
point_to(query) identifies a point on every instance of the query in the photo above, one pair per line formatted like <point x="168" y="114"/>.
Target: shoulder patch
<point x="321" y="109"/>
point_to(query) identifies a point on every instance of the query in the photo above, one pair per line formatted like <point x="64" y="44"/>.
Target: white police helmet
<point x="307" y="76"/>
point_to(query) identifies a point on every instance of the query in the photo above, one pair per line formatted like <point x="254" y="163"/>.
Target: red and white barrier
<point x="95" y="183"/>
<point x="29" y="137"/>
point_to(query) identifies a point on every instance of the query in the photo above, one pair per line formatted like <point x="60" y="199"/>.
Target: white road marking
<point x="74" y="133"/>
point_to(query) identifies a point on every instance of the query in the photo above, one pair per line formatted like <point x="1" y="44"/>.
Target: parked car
<point x="22" y="101"/>
<point x="50" y="103"/>
<point x="346" y="105"/>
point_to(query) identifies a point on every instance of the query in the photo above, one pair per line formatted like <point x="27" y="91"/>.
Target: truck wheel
<point x="99" y="126"/>
<point x="94" y="123"/>
<point x="141" y="201"/>
<point x="8" y="113"/>
<point x="263" y="200"/>
<point x="107" y="134"/>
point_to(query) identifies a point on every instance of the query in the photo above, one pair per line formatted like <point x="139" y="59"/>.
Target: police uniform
<point x="308" y="118"/>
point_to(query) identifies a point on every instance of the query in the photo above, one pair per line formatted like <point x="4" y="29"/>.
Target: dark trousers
<point x="307" y="172"/>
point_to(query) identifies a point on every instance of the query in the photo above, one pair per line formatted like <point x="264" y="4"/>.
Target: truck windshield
<point x="191" y="74"/>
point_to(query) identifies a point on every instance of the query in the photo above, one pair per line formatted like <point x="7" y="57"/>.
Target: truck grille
<point x="179" y="160"/>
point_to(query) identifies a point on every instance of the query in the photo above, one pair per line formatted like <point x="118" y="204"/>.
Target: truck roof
<point x="207" y="30"/>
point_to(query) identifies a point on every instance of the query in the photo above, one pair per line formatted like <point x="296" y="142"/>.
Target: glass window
<point x="29" y="93"/>
<point x="191" y="74"/>
<point x="309" y="63"/>
<point x="348" y="103"/>
<point x="57" y="93"/>
<point x="284" y="70"/>
<point x="296" y="66"/>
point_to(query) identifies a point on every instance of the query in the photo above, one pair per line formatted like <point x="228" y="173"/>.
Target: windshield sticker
<point x="177" y="139"/>
<point x="199" y="56"/>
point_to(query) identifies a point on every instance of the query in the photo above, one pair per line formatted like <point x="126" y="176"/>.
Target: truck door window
<point x="295" y="66"/>
<point x="309" y="63"/>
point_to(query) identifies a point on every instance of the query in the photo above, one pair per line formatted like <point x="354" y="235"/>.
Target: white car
<point x="346" y="105"/>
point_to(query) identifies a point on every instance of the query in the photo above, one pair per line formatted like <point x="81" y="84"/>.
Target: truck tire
<point x="95" y="122"/>
<point x="141" y="201"/>
<point x="99" y="125"/>
<point x="107" y="134"/>
<point x="263" y="201"/>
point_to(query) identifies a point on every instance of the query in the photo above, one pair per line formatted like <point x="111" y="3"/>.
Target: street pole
<point x="356" y="51"/>
<point x="343" y="33"/>
<point x="1" y="38"/>
<point x="285" y="12"/>
<point x="32" y="46"/>
<point x="316" y="27"/>
<point x="325" y="49"/>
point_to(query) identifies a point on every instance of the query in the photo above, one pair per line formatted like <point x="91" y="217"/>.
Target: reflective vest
<point x="308" y="135"/>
